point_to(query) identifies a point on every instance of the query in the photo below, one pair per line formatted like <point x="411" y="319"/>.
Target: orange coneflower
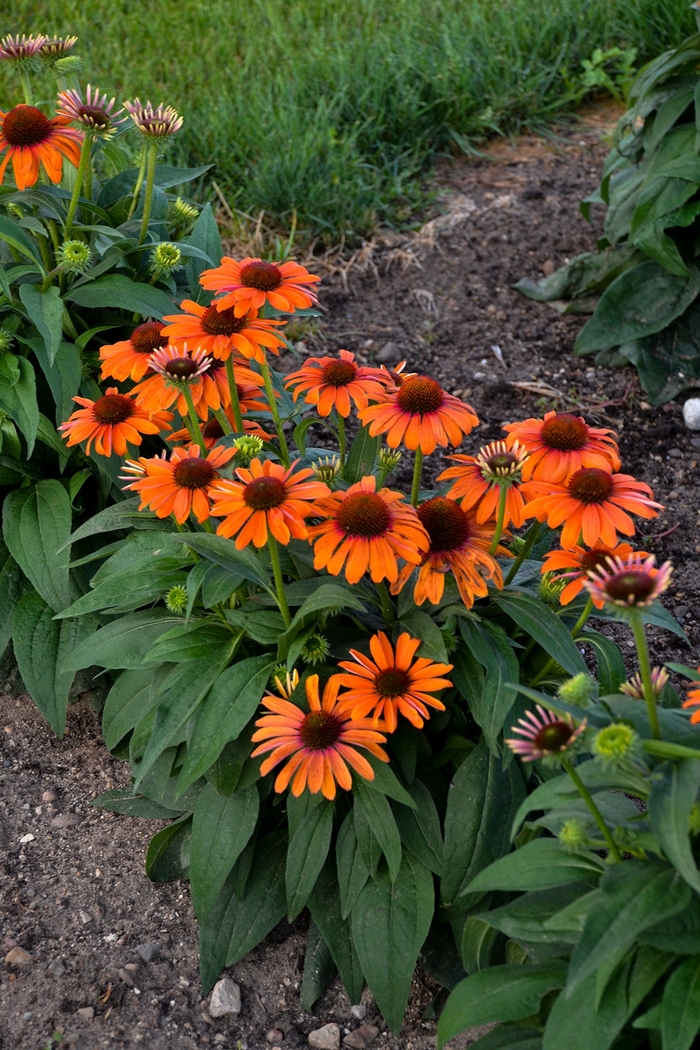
<point x="180" y="485"/>
<point x="330" y="383"/>
<point x="222" y="332"/>
<point x="31" y="138"/>
<point x="458" y="544"/>
<point x="366" y="531"/>
<point x="266" y="497"/>
<point x="394" y="377"/>
<point x="693" y="700"/>
<point x="112" y="421"/>
<point x="561" y="444"/>
<point x="420" y="414"/>
<point x="591" y="503"/>
<point x="632" y="582"/>
<point x="320" y="745"/>
<point x="174" y="366"/>
<point x="580" y="562"/>
<point x="251" y="283"/>
<point x="129" y="358"/>
<point x="479" y="481"/>
<point x="392" y="683"/>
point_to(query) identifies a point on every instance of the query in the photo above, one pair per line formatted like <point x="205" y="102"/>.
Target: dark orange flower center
<point x="181" y="368"/>
<point x="591" y="485"/>
<point x="113" y="409"/>
<point x="420" y="394"/>
<point x="564" y="432"/>
<point x="392" y="682"/>
<point x="95" y="115"/>
<point x="637" y="585"/>
<point x="264" y="493"/>
<point x="25" y="126"/>
<point x="222" y="322"/>
<point x="193" y="473"/>
<point x="264" y="276"/>
<point x="147" y="337"/>
<point x="213" y="429"/>
<point x="445" y="522"/>
<point x="364" y="514"/>
<point x="595" y="558"/>
<point x="320" y="730"/>
<point x="339" y="373"/>
<point x="553" y="737"/>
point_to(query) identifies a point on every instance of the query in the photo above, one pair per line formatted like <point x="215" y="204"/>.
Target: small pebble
<point x="362" y="1037"/>
<point x="18" y="957"/>
<point x="132" y="967"/>
<point x="225" y="998"/>
<point x="389" y="352"/>
<point x="148" y="952"/>
<point x="675" y="453"/>
<point x="126" y="978"/>
<point x="691" y="413"/>
<point x="359" y="1011"/>
<point x="680" y="611"/>
<point x="219" y="1038"/>
<point x="49" y="796"/>
<point x="66" y="820"/>
<point x="10" y="942"/>
<point x="27" y="1015"/>
<point x="85" y="917"/>
<point x="26" y="838"/>
<point x="326" y="1038"/>
<point x="56" y="968"/>
<point x="275" y="1036"/>
<point x="695" y="442"/>
<point x="87" y="1012"/>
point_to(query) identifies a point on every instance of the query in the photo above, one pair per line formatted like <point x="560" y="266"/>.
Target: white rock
<point x="359" y="1011"/>
<point x="691" y="413"/>
<point x="225" y="998"/>
<point x="26" y="838"/>
<point x="326" y="1038"/>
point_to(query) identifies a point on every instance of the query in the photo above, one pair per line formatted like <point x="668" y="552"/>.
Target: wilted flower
<point x="154" y="122"/>
<point x="73" y="256"/>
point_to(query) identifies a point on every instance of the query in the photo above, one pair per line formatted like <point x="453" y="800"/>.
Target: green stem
<point x="82" y="166"/>
<point x="595" y="812"/>
<point x="279" y="582"/>
<point x="26" y="85"/>
<point x="640" y="638"/>
<point x="68" y="326"/>
<point x="148" y="196"/>
<point x="223" y="422"/>
<point x="417" y="470"/>
<point x="387" y="607"/>
<point x="195" y="428"/>
<point x="580" y="623"/>
<point x="529" y="542"/>
<point x="500" y="519"/>
<point x="341" y="442"/>
<point x="139" y="181"/>
<point x="235" y="403"/>
<point x="270" y="391"/>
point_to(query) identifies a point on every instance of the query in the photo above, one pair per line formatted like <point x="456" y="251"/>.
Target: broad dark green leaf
<point x="509" y="1037"/>
<point x="326" y="596"/>
<point x="10" y="591"/>
<point x="131" y="697"/>
<point x="36" y="523"/>
<point x="121" y="800"/>
<point x="501" y="993"/>
<point x="537" y="865"/>
<point x="386" y="781"/>
<point x="532" y="916"/>
<point x="123" y="643"/>
<point x="306" y="856"/>
<point x="119" y="291"/>
<point x="542" y="624"/>
<point x="119" y="516"/>
<point x="14" y="235"/>
<point x="369" y="847"/>
<point x="205" y="236"/>
<point x="45" y="309"/>
<point x="674" y="792"/>
<point x="221" y="829"/>
<point x="481" y="805"/>
<point x="352" y="870"/>
<point x="223" y="552"/>
<point x="680" y="933"/>
<point x="611" y="666"/>
<point x="129" y="589"/>
<point x="264" y="626"/>
<point x="362" y="456"/>
<point x="489" y="645"/>
<point x="477" y="944"/>
<point x="319" y="968"/>
<point x="164" y="856"/>
<point x="324" y="905"/>
<point x="680" y="1007"/>
<point x="377" y="812"/>
<point x="19" y="401"/>
<point x="432" y="643"/>
<point x="190" y="641"/>
<point x="389" y="923"/>
<point x="420" y="827"/>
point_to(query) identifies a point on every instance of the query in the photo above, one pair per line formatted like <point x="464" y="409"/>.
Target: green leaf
<point x="306" y="856"/>
<point x="389" y="923"/>
<point x="10" y="591"/>
<point x="121" y="800"/>
<point x="477" y="944"/>
<point x="49" y="436"/>
<point x="164" y="856"/>
<point x="611" y="666"/>
<point x="501" y="993"/>
<point x="362" y="456"/>
<point x="319" y="968"/>
<point x="190" y="641"/>
<point x="420" y="827"/>
<point x="15" y="236"/>
<point x="509" y="1037"/>
<point x="432" y="643"/>
<point x="221" y="829"/>
<point x="544" y="916"/>
<point x="542" y="624"/>
<point x="119" y="516"/>
<point x="20" y="403"/>
<point x="223" y="552"/>
<point x="635" y="895"/>
<point x="680" y="1007"/>
<point x="490" y="706"/>
<point x="325" y="908"/>
<point x="231" y="703"/>
<point x="118" y="291"/>
<point x="131" y="697"/>
<point x="205" y="236"/>
<point x="128" y="590"/>
<point x="481" y="804"/>
<point x="45" y="309"/>
<point x="326" y="596"/>
<point x="123" y="643"/>
<point x="386" y="781"/>
<point x="537" y="865"/>
<point x="36" y="524"/>
<point x="352" y="870"/>
<point x="263" y="626"/>
<point x="674" y="792"/>
<point x="41" y="645"/>
<point x="376" y="810"/>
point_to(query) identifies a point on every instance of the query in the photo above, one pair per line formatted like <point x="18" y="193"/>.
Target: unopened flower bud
<point x="73" y="256"/>
<point x="550" y="588"/>
<point x="69" y="64"/>
<point x="573" y="834"/>
<point x="165" y="258"/>
<point x="176" y="599"/>
<point x="182" y="212"/>
<point x="389" y="459"/>
<point x="615" y="743"/>
<point x="247" y="448"/>
<point x="316" y="649"/>
<point x="6" y="340"/>
<point x="577" y="690"/>
<point x="327" y="470"/>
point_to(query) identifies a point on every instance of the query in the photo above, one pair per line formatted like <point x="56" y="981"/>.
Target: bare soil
<point x="76" y="898"/>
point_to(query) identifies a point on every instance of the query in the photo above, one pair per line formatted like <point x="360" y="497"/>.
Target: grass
<point x="335" y="110"/>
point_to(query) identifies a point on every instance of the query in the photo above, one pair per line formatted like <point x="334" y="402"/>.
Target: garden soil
<point x="73" y="894"/>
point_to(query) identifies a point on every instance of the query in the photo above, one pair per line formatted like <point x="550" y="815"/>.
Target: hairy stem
<point x="75" y="197"/>
<point x="223" y="422"/>
<point x="529" y="542"/>
<point x="640" y="637"/>
<point x="195" y="429"/>
<point x="503" y="496"/>
<point x="581" y="622"/>
<point x="139" y="181"/>
<point x="595" y="812"/>
<point x="279" y="581"/>
<point x="235" y="403"/>
<point x="417" y="471"/>
<point x="272" y="401"/>
<point x="148" y="197"/>
<point x="387" y="607"/>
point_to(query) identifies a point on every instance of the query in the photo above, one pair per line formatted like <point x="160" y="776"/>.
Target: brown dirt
<point x="77" y="898"/>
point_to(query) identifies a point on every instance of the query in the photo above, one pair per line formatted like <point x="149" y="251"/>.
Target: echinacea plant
<point x="342" y="696"/>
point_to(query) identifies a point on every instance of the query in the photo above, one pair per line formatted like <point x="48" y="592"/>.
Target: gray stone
<point x="66" y="820"/>
<point x="88" y="1012"/>
<point x="148" y="952"/>
<point x="695" y="442"/>
<point x="675" y="453"/>
<point x="691" y="413"/>
<point x="56" y="968"/>
<point x="49" y="796"/>
<point x="680" y="611"/>
<point x="359" y="1011"/>
<point x="326" y="1038"/>
<point x="389" y="353"/>
<point x="362" y="1037"/>
<point x="225" y="998"/>
<point x="274" y="1036"/>
<point x="126" y="978"/>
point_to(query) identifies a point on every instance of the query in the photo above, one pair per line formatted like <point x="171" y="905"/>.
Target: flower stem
<point x="270" y="391"/>
<point x="640" y="638"/>
<point x="139" y="181"/>
<point x="387" y="607"/>
<point x="595" y="812"/>
<point x="342" y="444"/>
<point x="502" y="499"/>
<point x="148" y="197"/>
<point x="195" y="428"/>
<point x="529" y="542"/>
<point x="26" y="85"/>
<point x="82" y="166"/>
<point x="235" y="403"/>
<point x="279" y="582"/>
<point x="417" y="471"/>
<point x="223" y="422"/>
<point x="581" y="622"/>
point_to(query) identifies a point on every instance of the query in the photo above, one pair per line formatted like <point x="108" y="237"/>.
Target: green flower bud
<point x="573" y="834"/>
<point x="550" y="588"/>
<point x="450" y="640"/>
<point x="389" y="459"/>
<point x="165" y="258"/>
<point x="6" y="340"/>
<point x="578" y="690"/>
<point x="176" y="599"/>
<point x="615" y="743"/>
<point x="69" y="64"/>
<point x="316" y="649"/>
<point x="73" y="257"/>
<point x="182" y="213"/>
<point x="247" y="448"/>
<point x="327" y="470"/>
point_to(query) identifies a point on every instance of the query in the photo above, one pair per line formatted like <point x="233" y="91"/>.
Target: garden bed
<point x="443" y="309"/>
